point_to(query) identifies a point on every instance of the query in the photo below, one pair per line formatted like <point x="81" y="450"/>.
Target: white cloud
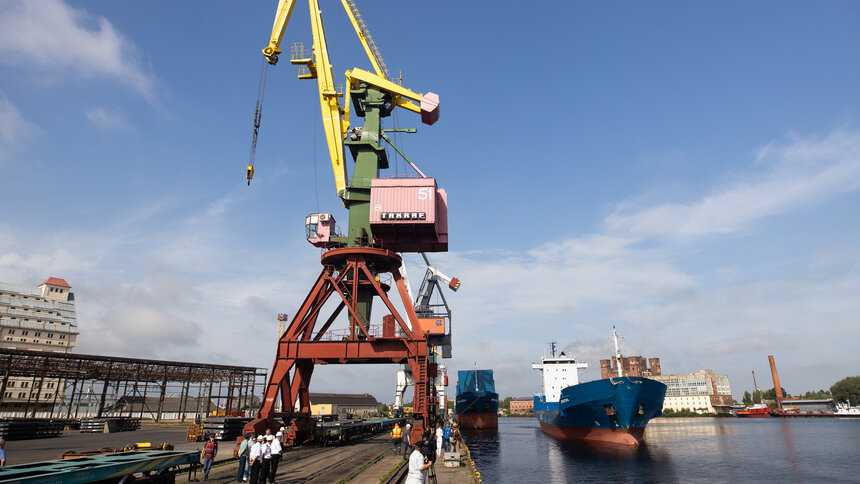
<point x="148" y="319"/>
<point x="108" y="119"/>
<point x="15" y="131"/>
<point x="799" y="173"/>
<point x="60" y="39"/>
<point x="560" y="277"/>
<point x="21" y="269"/>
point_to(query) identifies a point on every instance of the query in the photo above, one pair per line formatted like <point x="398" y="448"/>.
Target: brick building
<point x="631" y="366"/>
<point x="522" y="406"/>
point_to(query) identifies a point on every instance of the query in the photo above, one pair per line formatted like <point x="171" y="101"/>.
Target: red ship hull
<point x="478" y="421"/>
<point x="632" y="436"/>
<point x="755" y="412"/>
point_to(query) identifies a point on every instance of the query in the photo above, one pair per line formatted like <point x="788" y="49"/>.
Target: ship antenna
<point x="552" y="348"/>
<point x="617" y="353"/>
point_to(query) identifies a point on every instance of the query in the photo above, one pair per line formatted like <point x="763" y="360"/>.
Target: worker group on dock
<point x="259" y="458"/>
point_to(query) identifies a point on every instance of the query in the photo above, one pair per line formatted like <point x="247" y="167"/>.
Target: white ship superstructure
<point x="559" y="372"/>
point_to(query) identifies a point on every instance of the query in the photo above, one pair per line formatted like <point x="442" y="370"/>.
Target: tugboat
<point x="477" y="402"/>
<point x="758" y="410"/>
<point x="612" y="410"/>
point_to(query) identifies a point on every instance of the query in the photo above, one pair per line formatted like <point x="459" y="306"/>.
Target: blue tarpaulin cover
<point x="472" y="380"/>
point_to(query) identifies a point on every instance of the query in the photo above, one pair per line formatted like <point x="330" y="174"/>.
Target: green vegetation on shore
<point x="847" y="389"/>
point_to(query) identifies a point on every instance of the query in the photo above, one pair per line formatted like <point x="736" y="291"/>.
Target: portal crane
<point x="434" y="314"/>
<point x="431" y="281"/>
<point x="386" y="217"/>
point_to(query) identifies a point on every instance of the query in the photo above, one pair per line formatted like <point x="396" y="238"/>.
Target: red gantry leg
<point x="352" y="274"/>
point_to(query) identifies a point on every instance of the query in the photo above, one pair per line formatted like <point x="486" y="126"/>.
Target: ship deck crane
<point x="386" y="217"/>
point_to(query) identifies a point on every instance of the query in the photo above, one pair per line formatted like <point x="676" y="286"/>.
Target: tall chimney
<point x="776" y="386"/>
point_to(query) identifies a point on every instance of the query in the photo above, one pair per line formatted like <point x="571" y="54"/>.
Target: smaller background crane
<point x="432" y="312"/>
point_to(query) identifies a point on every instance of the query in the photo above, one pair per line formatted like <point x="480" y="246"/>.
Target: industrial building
<point x="522" y="405"/>
<point x="703" y="391"/>
<point x="359" y="405"/>
<point x="811" y="406"/>
<point x="43" y="378"/>
<point x="39" y="318"/>
<point x="631" y="366"/>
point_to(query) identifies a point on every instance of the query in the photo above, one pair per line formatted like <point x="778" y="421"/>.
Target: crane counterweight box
<point x="409" y="214"/>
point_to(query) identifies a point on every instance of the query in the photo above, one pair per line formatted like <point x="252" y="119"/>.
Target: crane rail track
<point x="336" y="466"/>
<point x="397" y="474"/>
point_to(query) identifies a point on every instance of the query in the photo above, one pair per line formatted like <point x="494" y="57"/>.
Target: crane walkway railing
<point x="366" y="32"/>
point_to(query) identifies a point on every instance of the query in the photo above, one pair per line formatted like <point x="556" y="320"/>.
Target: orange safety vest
<point x="396" y="433"/>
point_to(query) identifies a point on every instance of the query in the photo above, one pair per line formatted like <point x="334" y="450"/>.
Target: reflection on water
<point x="789" y="444"/>
<point x="676" y="450"/>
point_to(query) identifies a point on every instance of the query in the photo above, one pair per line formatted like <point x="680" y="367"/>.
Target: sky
<point x="688" y="172"/>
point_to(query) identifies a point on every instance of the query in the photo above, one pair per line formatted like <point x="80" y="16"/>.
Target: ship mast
<point x="617" y="352"/>
<point x="552" y="348"/>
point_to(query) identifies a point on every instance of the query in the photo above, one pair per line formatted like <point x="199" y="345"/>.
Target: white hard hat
<point x="259" y="437"/>
<point x="279" y="434"/>
<point x="270" y="437"/>
<point x="282" y="429"/>
<point x="408" y="425"/>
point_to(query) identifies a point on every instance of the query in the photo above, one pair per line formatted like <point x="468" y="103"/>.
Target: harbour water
<point x="677" y="450"/>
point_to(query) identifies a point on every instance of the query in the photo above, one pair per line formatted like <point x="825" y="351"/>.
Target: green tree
<point x="382" y="409"/>
<point x="748" y="399"/>
<point x="847" y="389"/>
<point x="771" y="394"/>
<point x="819" y="395"/>
<point x="506" y="403"/>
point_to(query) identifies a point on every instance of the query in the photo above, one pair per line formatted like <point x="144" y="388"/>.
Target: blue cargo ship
<point x="477" y="401"/>
<point x="608" y="410"/>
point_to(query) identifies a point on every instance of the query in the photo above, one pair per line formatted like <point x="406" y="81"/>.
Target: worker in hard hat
<point x="256" y="460"/>
<point x="276" y="456"/>
<point x="407" y="442"/>
<point x="397" y="437"/>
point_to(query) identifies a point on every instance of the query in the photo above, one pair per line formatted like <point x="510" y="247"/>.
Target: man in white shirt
<point x="276" y="456"/>
<point x="439" y="441"/>
<point x="255" y="459"/>
<point x="417" y="466"/>
<point x="267" y="458"/>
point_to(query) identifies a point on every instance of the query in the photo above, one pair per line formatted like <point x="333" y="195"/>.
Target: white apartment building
<point x="703" y="391"/>
<point x="39" y="318"/>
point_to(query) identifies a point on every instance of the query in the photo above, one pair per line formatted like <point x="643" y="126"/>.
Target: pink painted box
<point x="409" y="214"/>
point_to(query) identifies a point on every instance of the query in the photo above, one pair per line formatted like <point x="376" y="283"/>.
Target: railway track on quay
<point x="333" y="464"/>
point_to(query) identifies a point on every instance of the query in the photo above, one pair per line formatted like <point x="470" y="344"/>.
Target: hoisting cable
<point x="261" y="92"/>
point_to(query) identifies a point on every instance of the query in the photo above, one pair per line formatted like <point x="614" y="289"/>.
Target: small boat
<point x="845" y="410"/>
<point x="759" y="410"/>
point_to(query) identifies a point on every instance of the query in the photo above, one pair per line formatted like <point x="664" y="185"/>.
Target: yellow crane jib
<point x="282" y="18"/>
<point x="428" y="105"/>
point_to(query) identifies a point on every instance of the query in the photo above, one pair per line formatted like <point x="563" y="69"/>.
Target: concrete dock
<point x="370" y="460"/>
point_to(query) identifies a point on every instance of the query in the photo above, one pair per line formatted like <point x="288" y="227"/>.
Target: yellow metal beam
<point x="282" y="18"/>
<point x="329" y="104"/>
<point x="373" y="55"/>
<point x="384" y="84"/>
